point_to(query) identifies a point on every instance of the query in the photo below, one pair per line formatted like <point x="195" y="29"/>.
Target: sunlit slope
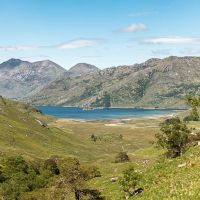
<point x="24" y="130"/>
<point x="170" y="179"/>
<point x="154" y="83"/>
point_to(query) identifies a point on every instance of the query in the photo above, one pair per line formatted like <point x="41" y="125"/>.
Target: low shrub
<point x="122" y="157"/>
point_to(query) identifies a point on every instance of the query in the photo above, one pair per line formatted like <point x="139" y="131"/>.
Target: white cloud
<point x="132" y="28"/>
<point x="76" y="44"/>
<point x="73" y="44"/>
<point x="171" y="40"/>
<point x="17" y="48"/>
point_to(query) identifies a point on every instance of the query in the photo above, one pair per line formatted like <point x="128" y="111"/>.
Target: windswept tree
<point x="73" y="181"/>
<point x="122" y="157"/>
<point x="72" y="176"/>
<point x="174" y="136"/>
<point x="130" y="181"/>
<point x="194" y="103"/>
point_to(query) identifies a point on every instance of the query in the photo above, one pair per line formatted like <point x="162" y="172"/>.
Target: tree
<point x="51" y="165"/>
<point x="122" y="157"/>
<point x="130" y="181"/>
<point x="91" y="172"/>
<point x="19" y="176"/>
<point x="93" y="138"/>
<point x="194" y="102"/>
<point x="174" y="137"/>
<point x="74" y="177"/>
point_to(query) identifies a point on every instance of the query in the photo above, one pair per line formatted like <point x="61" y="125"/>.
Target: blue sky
<point x="101" y="32"/>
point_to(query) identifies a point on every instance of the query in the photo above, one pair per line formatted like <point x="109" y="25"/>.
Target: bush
<point x="93" y="138"/>
<point x="190" y="118"/>
<point x="194" y="102"/>
<point x="130" y="182"/>
<point x="91" y="194"/>
<point x="122" y="157"/>
<point x="91" y="172"/>
<point x="74" y="176"/>
<point x="51" y="165"/>
<point x="174" y="137"/>
<point x="19" y="176"/>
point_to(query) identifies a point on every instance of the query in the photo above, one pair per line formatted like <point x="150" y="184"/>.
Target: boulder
<point x="114" y="179"/>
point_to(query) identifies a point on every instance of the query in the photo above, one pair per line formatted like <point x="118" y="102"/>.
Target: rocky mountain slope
<point x="81" y="69"/>
<point x="21" y="78"/>
<point x="154" y="83"/>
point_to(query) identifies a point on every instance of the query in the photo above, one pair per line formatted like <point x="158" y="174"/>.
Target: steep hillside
<point x="24" y="130"/>
<point x="155" y="83"/>
<point x="163" y="179"/>
<point x="174" y="179"/>
<point x="21" y="78"/>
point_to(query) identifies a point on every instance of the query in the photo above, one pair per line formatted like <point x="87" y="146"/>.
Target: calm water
<point x="102" y="114"/>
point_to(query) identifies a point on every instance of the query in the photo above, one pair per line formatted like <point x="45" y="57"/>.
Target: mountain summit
<point x="154" y="83"/>
<point x="21" y="78"/>
<point x="81" y="69"/>
<point x="11" y="63"/>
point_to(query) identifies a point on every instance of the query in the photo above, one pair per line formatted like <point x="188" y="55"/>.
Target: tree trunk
<point x="77" y="194"/>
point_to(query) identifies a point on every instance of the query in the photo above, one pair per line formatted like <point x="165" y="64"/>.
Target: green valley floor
<point x="25" y="131"/>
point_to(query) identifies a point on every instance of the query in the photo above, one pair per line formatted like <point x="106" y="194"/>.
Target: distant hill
<point x="21" y="78"/>
<point x="81" y="69"/>
<point x="154" y="83"/>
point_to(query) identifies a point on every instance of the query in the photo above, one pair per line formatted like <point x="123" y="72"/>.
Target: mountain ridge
<point x="22" y="78"/>
<point x="154" y="83"/>
<point x="82" y="69"/>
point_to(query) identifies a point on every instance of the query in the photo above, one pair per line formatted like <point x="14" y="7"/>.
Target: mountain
<point x="154" y="83"/>
<point x="21" y="78"/>
<point x="82" y="69"/>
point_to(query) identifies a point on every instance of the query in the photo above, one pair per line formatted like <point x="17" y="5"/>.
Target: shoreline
<point x="115" y="107"/>
<point x="117" y="120"/>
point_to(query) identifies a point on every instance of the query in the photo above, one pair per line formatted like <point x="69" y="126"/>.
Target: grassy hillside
<point x="164" y="179"/>
<point x="174" y="179"/>
<point x="24" y="131"/>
